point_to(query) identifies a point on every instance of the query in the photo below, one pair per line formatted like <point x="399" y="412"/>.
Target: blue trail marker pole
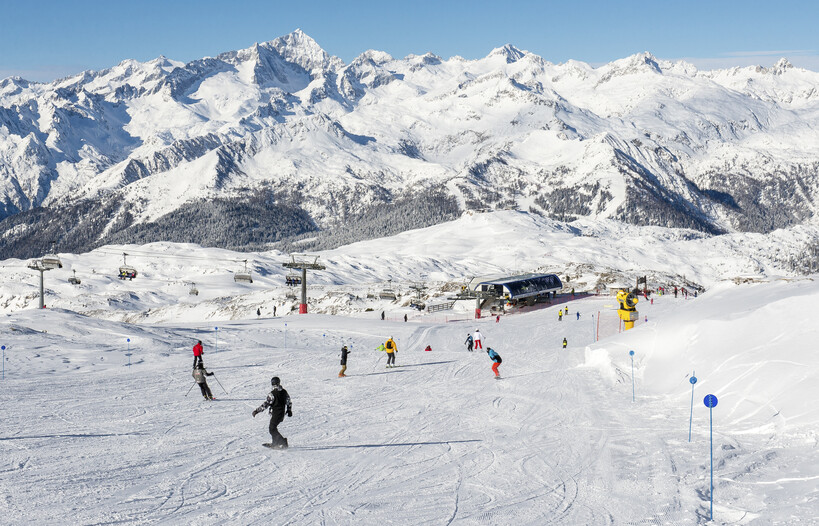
<point x="711" y="402"/>
<point x="4" y="362"/>
<point x="285" y="336"/>
<point x="693" y="380"/>
<point x="216" y="334"/>
<point x="631" y="353"/>
<point x="129" y="351"/>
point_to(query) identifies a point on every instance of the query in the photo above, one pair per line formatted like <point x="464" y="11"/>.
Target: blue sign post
<point x="4" y="362"/>
<point x="711" y="402"/>
<point x="631" y="353"/>
<point x="285" y="336"/>
<point x="128" y="354"/>
<point x="693" y="380"/>
<point x="216" y="332"/>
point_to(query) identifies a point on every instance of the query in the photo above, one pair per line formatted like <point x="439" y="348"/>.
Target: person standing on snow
<point x="391" y="349"/>
<point x="565" y="343"/>
<point x="382" y="315"/>
<point x="197" y="354"/>
<point x="277" y="404"/>
<point x="344" y="353"/>
<point x="468" y="342"/>
<point x="199" y="374"/>
<point x="578" y="313"/>
<point x="496" y="361"/>
<point x="477" y="338"/>
<point x="560" y="315"/>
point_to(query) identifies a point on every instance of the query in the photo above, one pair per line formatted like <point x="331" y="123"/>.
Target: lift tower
<point x="303" y="262"/>
<point x="45" y="263"/>
<point x="478" y="295"/>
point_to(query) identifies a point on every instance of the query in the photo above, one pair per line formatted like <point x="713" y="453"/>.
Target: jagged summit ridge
<point x="640" y="139"/>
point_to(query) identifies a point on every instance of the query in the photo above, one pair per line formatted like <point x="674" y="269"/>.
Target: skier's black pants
<point x="199" y="359"/>
<point x="390" y="358"/>
<point x="205" y="390"/>
<point x="469" y="347"/>
<point x="276" y="438"/>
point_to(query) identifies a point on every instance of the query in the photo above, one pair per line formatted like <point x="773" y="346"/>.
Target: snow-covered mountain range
<point x="281" y="139"/>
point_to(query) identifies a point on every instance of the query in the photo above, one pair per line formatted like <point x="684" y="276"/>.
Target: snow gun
<point x="627" y="311"/>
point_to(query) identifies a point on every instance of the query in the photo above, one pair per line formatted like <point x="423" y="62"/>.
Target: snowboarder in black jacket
<point x="199" y="374"/>
<point x="344" y="353"/>
<point x="277" y="404"/>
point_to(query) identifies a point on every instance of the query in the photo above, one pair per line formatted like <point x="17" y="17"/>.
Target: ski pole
<point x="189" y="390"/>
<point x="220" y="383"/>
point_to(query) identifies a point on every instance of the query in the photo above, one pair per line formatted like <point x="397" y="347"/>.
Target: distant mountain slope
<point x="128" y="153"/>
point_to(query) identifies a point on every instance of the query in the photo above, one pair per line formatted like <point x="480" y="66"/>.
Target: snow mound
<point x="750" y="345"/>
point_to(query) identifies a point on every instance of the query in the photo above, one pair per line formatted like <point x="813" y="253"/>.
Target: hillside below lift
<point x="243" y="277"/>
<point x="303" y="262"/>
<point x="42" y="265"/>
<point x="126" y="271"/>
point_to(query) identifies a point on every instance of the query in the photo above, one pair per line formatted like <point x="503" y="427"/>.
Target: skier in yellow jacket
<point x="391" y="349"/>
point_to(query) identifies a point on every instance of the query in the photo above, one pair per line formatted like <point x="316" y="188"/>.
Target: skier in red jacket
<point x="197" y="354"/>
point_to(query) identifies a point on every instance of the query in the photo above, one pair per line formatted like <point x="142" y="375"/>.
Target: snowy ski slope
<point x="87" y="439"/>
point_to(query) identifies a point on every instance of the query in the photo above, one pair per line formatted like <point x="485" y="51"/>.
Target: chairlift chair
<point x="243" y="277"/>
<point x="74" y="280"/>
<point x="193" y="290"/>
<point x="126" y="271"/>
<point x="51" y="261"/>
<point x="292" y="279"/>
<point x="387" y="294"/>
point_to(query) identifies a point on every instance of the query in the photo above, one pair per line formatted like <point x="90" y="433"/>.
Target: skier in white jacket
<point x="477" y="338"/>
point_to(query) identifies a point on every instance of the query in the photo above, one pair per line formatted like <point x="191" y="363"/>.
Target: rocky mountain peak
<point x="509" y="52"/>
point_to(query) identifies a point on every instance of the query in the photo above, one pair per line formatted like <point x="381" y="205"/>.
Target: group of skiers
<point x="476" y="340"/>
<point x="278" y="402"/>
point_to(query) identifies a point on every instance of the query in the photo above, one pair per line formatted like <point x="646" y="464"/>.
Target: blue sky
<point x="45" y="39"/>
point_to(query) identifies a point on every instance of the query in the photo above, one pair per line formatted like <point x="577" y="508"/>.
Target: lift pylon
<point x="303" y="262"/>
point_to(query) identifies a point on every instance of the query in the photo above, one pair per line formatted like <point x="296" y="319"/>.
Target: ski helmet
<point x="275" y="381"/>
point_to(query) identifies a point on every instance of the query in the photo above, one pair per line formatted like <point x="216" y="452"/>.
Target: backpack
<point x="389" y="345"/>
<point x="497" y="357"/>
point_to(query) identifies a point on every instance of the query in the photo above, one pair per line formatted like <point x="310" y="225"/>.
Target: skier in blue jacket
<point x="496" y="359"/>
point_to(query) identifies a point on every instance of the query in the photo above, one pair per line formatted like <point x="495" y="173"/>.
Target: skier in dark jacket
<point x="468" y="342"/>
<point x="344" y="353"/>
<point x="199" y="374"/>
<point x="277" y="404"/>
<point x="197" y="354"/>
<point x="496" y="359"/>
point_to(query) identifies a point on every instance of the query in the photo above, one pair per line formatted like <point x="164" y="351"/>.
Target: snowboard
<point x="269" y="445"/>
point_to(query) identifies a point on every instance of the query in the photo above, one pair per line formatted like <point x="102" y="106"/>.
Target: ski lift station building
<point x="521" y="287"/>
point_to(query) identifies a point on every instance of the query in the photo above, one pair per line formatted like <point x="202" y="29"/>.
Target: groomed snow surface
<point x="87" y="439"/>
